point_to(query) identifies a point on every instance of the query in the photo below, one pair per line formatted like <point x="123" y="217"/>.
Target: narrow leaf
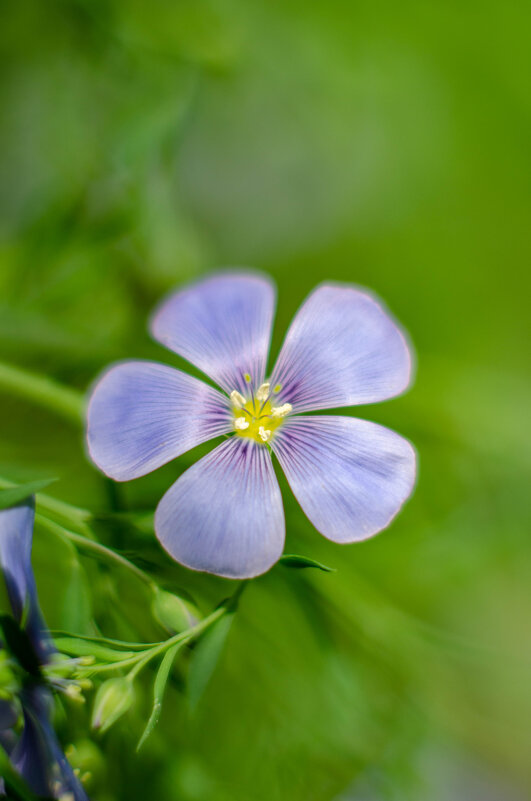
<point x="205" y="658"/>
<point x="300" y="562"/>
<point x="128" y="646"/>
<point x="76" y="602"/>
<point x="158" y="691"/>
<point x="15" y="495"/>
<point x="78" y="647"/>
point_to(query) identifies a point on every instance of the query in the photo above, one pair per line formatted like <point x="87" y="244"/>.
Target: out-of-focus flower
<point x="224" y="515"/>
<point x="36" y="753"/>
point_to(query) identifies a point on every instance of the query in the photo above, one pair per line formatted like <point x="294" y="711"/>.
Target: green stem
<point x="138" y="661"/>
<point x="44" y="391"/>
<point x="94" y="547"/>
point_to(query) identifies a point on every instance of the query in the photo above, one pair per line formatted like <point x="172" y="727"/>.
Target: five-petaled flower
<point x="224" y="515"/>
<point x="36" y="753"/>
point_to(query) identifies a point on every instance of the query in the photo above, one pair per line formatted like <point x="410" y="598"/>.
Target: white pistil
<point x="281" y="411"/>
<point x="240" y="424"/>
<point x="264" y="434"/>
<point x="237" y="399"/>
<point x="262" y="393"/>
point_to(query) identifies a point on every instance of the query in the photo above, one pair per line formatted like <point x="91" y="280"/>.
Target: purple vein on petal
<point x="143" y="414"/>
<point x="224" y="515"/>
<point x="222" y="325"/>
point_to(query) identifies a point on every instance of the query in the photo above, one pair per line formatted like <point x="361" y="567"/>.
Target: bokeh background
<point x="387" y="144"/>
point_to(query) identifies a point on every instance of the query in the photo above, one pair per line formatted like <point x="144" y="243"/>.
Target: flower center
<point x="257" y="417"/>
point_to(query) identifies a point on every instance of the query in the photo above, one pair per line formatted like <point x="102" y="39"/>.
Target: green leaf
<point x="76" y="602"/>
<point x="15" y="495"/>
<point x="128" y="646"/>
<point x="158" y="691"/>
<point x="205" y="658"/>
<point x="300" y="562"/>
<point x="77" y="647"/>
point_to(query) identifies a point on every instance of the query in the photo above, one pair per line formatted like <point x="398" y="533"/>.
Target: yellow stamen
<point x="237" y="399"/>
<point x="264" y="434"/>
<point x="281" y="411"/>
<point x="262" y="392"/>
<point x="255" y="417"/>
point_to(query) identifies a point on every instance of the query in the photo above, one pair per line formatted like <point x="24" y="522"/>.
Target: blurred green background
<point x="382" y="143"/>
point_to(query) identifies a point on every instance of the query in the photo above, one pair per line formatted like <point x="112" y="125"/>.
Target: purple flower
<point x="224" y="515"/>
<point x="36" y="755"/>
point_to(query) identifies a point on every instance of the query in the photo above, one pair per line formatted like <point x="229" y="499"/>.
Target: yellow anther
<point x="281" y="411"/>
<point x="247" y="378"/>
<point x="256" y="418"/>
<point x="262" y="392"/>
<point x="237" y="399"/>
<point x="277" y="388"/>
<point x="264" y="434"/>
<point x="73" y="691"/>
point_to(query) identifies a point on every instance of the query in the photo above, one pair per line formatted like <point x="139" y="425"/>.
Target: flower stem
<point x="84" y="543"/>
<point x="44" y="391"/>
<point x="142" y="658"/>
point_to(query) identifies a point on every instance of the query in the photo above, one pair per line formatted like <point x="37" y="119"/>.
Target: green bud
<point x="113" y="699"/>
<point x="173" y="612"/>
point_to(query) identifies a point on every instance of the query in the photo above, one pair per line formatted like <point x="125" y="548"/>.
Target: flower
<point x="36" y="755"/>
<point x="224" y="515"/>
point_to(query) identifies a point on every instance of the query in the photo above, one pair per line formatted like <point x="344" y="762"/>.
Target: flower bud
<point x="113" y="699"/>
<point x="173" y="612"/>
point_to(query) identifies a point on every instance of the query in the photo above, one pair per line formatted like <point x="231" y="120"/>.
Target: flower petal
<point x="350" y="476"/>
<point x="143" y="414"/>
<point x="224" y="515"/>
<point x="342" y="349"/>
<point x="222" y="325"/>
<point x="38" y="757"/>
<point x="16" y="537"/>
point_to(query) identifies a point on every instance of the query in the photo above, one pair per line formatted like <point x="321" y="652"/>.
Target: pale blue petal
<point x="224" y="515"/>
<point x="222" y="325"/>
<point x="350" y="476"/>
<point x="16" y="537"/>
<point x="143" y="414"/>
<point x="342" y="349"/>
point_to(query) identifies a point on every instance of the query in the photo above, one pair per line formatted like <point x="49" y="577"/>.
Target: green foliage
<point x="205" y="659"/>
<point x="297" y="562"/>
<point x="15" y="495"/>
<point x="159" y="689"/>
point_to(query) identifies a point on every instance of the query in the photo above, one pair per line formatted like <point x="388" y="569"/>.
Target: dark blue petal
<point x="8" y="715"/>
<point x="38" y="757"/>
<point x="16" y="536"/>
